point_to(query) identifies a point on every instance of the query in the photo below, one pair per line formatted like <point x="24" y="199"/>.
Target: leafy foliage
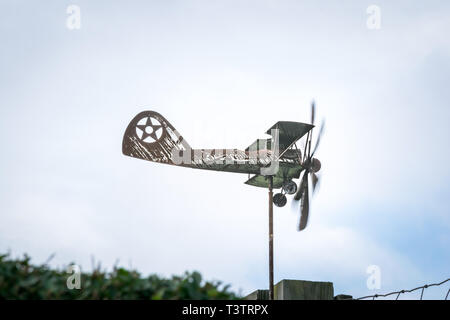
<point x="19" y="279"/>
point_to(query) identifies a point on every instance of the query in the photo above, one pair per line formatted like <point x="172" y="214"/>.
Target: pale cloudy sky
<point x="222" y="72"/>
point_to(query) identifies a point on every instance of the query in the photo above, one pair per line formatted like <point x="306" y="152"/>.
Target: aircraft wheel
<point x="290" y="187"/>
<point x="279" y="200"/>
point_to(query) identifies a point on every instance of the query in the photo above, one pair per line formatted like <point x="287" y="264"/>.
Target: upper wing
<point x="289" y="132"/>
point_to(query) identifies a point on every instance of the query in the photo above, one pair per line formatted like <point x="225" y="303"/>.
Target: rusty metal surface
<point x="150" y="136"/>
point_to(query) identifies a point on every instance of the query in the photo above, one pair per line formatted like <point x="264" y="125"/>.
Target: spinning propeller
<point x="311" y="166"/>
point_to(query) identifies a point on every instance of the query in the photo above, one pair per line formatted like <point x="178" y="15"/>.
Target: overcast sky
<point x="222" y="72"/>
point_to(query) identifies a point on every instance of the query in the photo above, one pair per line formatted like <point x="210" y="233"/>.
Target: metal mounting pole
<point x="270" y="238"/>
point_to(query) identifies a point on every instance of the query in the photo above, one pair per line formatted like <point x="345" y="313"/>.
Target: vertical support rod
<point x="271" y="294"/>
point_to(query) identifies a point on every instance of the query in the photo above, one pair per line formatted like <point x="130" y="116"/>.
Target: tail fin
<point x="149" y="136"/>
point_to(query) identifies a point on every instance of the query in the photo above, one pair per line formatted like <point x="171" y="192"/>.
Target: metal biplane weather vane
<point x="273" y="163"/>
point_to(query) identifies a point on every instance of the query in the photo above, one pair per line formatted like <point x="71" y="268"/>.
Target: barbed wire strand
<point x="408" y="291"/>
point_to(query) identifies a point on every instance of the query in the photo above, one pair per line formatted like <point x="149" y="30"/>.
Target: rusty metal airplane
<point x="273" y="163"/>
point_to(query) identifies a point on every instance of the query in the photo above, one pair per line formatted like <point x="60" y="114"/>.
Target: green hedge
<point x="19" y="279"/>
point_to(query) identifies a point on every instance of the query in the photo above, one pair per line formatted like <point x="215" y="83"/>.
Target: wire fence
<point x="398" y="293"/>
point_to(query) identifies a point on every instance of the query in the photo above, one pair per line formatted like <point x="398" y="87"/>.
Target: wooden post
<point x="271" y="294"/>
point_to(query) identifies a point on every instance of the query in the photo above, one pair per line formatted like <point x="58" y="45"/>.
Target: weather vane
<point x="270" y="163"/>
